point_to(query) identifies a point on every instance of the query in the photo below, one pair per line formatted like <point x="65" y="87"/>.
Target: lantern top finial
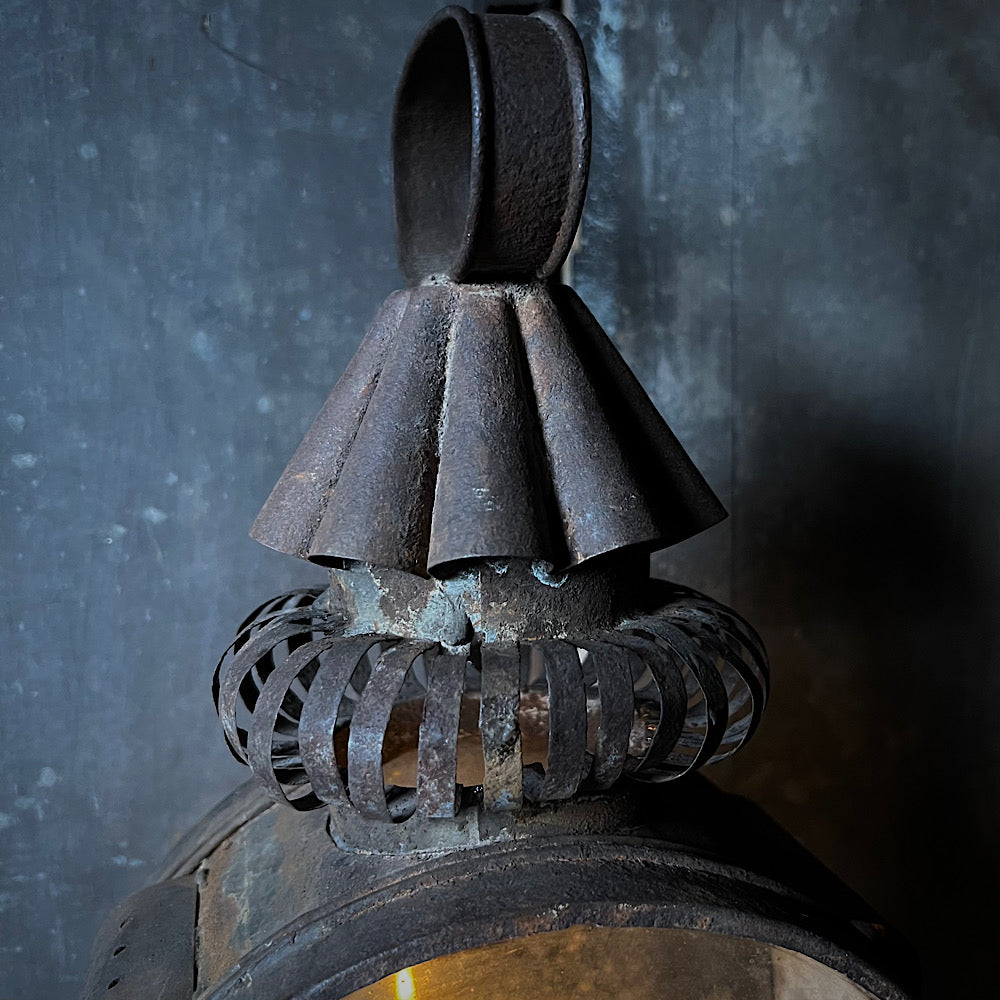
<point x="486" y="415"/>
<point x="485" y="482"/>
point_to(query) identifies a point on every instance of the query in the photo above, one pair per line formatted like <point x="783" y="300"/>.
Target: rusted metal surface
<point x="486" y="415"/>
<point x="485" y="482"/>
<point x="437" y="746"/>
<point x="491" y="147"/>
<point x="485" y="422"/>
<point x="369" y="722"/>
<point x="237" y="809"/>
<point x="499" y="721"/>
<point x="679" y="685"/>
<point x="551" y="885"/>
<point x="146" y="946"/>
<point x="283" y="912"/>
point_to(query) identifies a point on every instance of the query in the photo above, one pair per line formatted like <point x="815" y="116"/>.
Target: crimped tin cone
<point x="485" y="421"/>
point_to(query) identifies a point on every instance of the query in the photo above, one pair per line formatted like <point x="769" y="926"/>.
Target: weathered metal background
<point x="792" y="235"/>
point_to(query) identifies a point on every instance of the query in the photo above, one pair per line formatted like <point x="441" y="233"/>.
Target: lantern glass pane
<point x="623" y="963"/>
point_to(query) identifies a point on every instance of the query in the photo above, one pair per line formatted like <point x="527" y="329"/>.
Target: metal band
<point x="498" y="721"/>
<point x="567" y="761"/>
<point x="371" y="717"/>
<point x="437" y="751"/>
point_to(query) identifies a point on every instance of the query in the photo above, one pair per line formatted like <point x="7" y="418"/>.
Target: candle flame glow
<point x="405" y="987"/>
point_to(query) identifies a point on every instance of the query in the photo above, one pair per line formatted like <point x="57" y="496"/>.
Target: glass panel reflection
<point x="630" y="963"/>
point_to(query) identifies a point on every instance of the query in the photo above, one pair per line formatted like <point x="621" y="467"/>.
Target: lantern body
<point x="683" y="885"/>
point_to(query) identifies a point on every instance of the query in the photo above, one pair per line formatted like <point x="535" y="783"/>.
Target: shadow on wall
<point x="878" y="607"/>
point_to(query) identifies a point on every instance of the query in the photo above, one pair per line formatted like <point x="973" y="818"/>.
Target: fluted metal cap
<point x="485" y="422"/>
<point x="487" y="419"/>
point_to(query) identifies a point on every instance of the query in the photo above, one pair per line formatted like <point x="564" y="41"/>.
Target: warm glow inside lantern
<point x="636" y="963"/>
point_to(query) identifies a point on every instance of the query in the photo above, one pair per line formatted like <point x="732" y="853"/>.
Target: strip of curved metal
<point x="498" y="722"/>
<point x="369" y="724"/>
<point x="235" y="682"/>
<point x="437" y="748"/>
<point x="615" y="687"/>
<point x="319" y="720"/>
<point x="568" y="761"/>
<point x="260" y="745"/>
<point x="661" y="760"/>
<point x="714" y="693"/>
<point x="441" y="137"/>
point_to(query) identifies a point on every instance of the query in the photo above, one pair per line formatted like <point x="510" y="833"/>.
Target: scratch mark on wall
<point x="206" y="30"/>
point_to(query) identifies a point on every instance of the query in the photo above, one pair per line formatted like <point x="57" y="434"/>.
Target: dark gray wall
<point x="192" y="249"/>
<point x="792" y="235"/>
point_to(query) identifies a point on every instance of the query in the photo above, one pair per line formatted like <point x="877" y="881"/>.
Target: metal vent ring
<point x="328" y="716"/>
